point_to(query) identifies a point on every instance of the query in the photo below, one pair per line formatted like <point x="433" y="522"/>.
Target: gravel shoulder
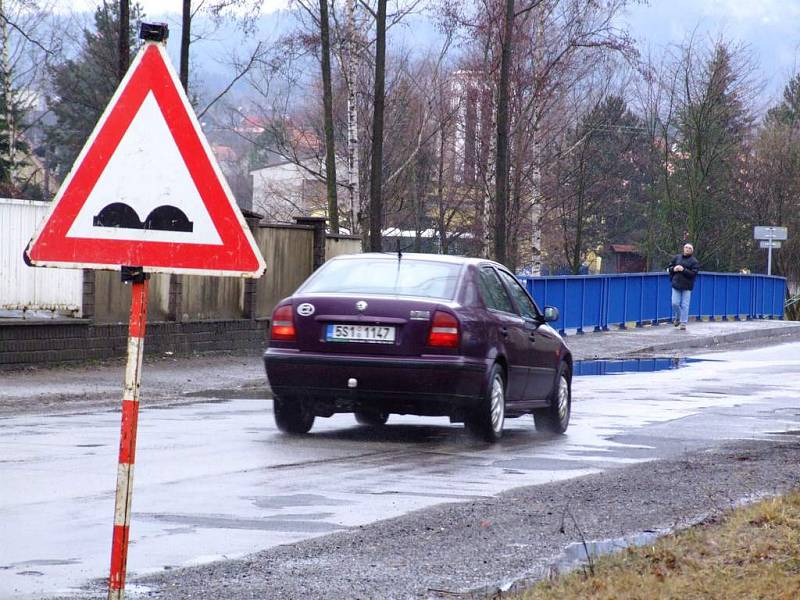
<point x="472" y="549"/>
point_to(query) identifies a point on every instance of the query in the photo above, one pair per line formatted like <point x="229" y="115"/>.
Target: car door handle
<point x="504" y="331"/>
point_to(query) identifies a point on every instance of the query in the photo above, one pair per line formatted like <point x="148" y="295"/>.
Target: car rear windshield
<point x="404" y="277"/>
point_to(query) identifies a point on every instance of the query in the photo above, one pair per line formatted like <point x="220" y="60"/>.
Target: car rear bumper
<point x="426" y="385"/>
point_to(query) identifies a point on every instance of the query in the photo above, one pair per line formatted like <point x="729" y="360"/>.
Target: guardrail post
<point x="726" y="308"/>
<point x="641" y="301"/>
<point x="654" y="321"/>
<point x="713" y="313"/>
<point x="739" y="298"/>
<point x="624" y="304"/>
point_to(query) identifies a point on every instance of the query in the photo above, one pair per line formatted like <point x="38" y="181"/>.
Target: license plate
<point x="373" y="334"/>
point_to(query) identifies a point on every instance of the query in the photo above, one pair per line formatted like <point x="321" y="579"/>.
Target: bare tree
<point x="501" y="161"/>
<point x="553" y="45"/>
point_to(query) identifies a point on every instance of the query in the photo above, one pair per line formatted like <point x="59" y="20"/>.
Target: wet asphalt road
<point x="215" y="480"/>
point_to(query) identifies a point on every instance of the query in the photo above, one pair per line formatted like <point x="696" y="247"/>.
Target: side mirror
<point x="550" y="314"/>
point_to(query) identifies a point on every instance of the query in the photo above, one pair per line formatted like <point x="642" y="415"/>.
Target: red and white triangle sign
<point x="146" y="190"/>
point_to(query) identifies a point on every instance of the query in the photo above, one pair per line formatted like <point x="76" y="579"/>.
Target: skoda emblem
<point x="361" y="306"/>
<point x="305" y="309"/>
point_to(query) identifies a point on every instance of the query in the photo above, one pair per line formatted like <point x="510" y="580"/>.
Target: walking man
<point x="683" y="268"/>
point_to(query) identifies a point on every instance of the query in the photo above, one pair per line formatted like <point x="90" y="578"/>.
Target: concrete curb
<point x="727" y="338"/>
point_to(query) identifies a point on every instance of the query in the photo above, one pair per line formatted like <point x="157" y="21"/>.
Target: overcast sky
<point x="770" y="27"/>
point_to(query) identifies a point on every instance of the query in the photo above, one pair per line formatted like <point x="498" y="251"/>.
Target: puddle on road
<point x="293" y="500"/>
<point x="230" y="394"/>
<point x="614" y="366"/>
<point x="298" y="524"/>
<point x="795" y="432"/>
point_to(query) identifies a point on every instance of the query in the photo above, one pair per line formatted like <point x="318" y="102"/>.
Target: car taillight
<point x="283" y="324"/>
<point x="444" y="331"/>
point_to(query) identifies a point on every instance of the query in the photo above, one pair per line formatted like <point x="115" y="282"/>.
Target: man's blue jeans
<point x="680" y="305"/>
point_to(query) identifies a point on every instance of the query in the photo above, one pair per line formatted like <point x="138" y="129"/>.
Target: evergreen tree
<point x="712" y="134"/>
<point x="601" y="180"/>
<point x="84" y="85"/>
<point x="788" y="111"/>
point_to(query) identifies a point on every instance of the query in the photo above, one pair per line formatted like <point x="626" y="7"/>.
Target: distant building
<point x="286" y="189"/>
<point x="471" y="100"/>
<point x="233" y="162"/>
<point x="623" y="258"/>
<point x="405" y="240"/>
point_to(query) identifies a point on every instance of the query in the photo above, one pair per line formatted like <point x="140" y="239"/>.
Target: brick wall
<point x="31" y="342"/>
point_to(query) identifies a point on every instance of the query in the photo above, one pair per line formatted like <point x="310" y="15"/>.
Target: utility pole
<point x="376" y="168"/>
<point x="124" y="38"/>
<point x="186" y="39"/>
<point x="327" y="101"/>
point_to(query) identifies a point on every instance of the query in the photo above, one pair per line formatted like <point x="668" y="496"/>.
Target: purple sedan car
<point x="420" y="334"/>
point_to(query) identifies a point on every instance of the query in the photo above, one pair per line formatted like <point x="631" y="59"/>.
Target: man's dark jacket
<point x="683" y="280"/>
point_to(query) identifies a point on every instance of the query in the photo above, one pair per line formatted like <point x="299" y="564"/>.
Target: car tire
<point x="371" y="418"/>
<point x="292" y="416"/>
<point x="554" y="418"/>
<point x="486" y="421"/>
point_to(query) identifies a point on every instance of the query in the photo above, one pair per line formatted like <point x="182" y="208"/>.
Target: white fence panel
<point x="23" y="288"/>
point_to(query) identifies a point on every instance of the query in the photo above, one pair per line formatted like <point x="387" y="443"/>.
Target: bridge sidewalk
<point x="666" y="340"/>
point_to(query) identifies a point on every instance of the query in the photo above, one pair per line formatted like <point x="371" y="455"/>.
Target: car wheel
<point x="291" y="415"/>
<point x="486" y="422"/>
<point x="554" y="418"/>
<point x="372" y="418"/>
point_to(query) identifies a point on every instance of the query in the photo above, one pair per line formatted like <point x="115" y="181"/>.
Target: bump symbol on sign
<point x="163" y="218"/>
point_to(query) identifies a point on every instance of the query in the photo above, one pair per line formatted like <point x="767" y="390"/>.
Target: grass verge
<point x="751" y="552"/>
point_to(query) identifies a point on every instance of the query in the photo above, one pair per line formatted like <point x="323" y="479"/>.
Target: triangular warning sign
<point x="146" y="190"/>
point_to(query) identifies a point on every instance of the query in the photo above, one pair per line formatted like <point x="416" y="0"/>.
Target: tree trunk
<point x="8" y="99"/>
<point x="124" y="38"/>
<point x="351" y="78"/>
<point x="486" y="150"/>
<point x="185" y="41"/>
<point x="537" y="203"/>
<point x="327" y="101"/>
<point x="376" y="172"/>
<point x="440" y="191"/>
<point x="501" y="163"/>
<point x="419" y="210"/>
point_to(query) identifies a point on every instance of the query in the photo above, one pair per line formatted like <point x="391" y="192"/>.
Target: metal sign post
<point x="128" y="429"/>
<point x="771" y="236"/>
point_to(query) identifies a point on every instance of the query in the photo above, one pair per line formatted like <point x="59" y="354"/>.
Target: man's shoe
<point x="676" y="323"/>
<point x="683" y="327"/>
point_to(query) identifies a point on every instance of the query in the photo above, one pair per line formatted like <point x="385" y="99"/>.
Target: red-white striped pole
<point x="127" y="441"/>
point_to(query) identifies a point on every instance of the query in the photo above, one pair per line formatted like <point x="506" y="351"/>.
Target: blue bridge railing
<point x="594" y="302"/>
